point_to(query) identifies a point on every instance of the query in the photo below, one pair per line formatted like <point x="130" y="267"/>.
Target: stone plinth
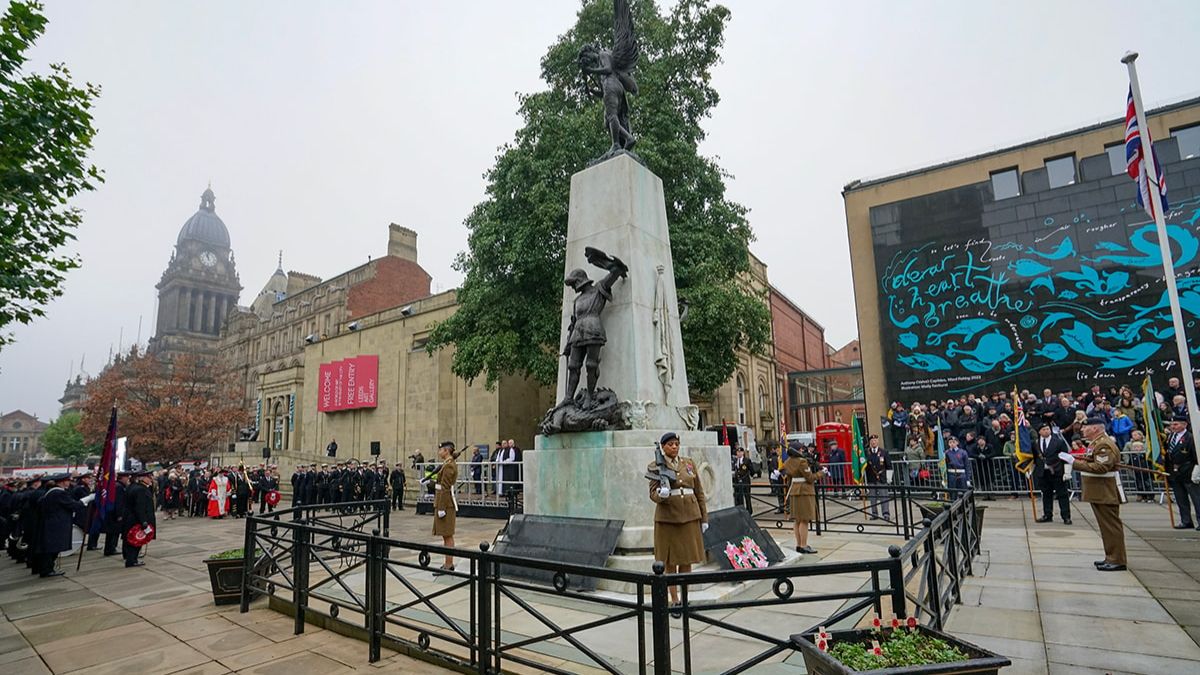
<point x="601" y="474"/>
<point x="617" y="206"/>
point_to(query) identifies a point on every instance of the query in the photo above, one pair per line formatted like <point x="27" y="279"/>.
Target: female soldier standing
<point x="802" y="496"/>
<point x="680" y="514"/>
<point x="445" y="506"/>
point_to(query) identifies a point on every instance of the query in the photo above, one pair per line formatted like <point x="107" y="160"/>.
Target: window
<point x="741" y="399"/>
<point x="1188" y="139"/>
<point x="763" y="403"/>
<point x="1005" y="184"/>
<point x="1061" y="171"/>
<point x="1116" y="158"/>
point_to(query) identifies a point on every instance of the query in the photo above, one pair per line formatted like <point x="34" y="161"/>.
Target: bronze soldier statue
<point x="585" y="334"/>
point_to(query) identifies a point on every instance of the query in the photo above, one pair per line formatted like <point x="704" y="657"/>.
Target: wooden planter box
<point x="820" y="663"/>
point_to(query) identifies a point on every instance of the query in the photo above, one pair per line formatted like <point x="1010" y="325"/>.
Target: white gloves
<point x="703" y="528"/>
<point x="88" y="499"/>
<point x="775" y="474"/>
<point x="441" y="514"/>
<point x="1067" y="457"/>
<point x="969" y="484"/>
<point x="664" y="493"/>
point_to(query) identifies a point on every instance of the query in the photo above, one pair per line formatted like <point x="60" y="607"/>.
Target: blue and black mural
<point x="1060" y="288"/>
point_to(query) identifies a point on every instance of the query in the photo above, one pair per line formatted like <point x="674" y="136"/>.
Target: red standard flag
<point x="1134" y="154"/>
<point x="106" y="483"/>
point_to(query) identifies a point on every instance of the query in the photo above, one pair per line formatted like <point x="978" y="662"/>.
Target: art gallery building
<point x="1028" y="267"/>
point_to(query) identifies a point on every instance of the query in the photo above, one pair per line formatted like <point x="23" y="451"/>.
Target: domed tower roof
<point x="205" y="225"/>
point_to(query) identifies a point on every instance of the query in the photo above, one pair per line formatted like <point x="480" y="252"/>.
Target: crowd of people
<point x="348" y="481"/>
<point x="44" y="516"/>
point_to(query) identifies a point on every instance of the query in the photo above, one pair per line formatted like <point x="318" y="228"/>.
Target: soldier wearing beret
<point x="1102" y="489"/>
<point x="802" y="496"/>
<point x="445" y="506"/>
<point x="680" y="513"/>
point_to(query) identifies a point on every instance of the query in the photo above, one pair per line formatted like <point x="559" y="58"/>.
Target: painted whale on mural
<point x="1028" y="268"/>
<point x="992" y="349"/>
<point x="1042" y="282"/>
<point x="1051" y="319"/>
<point x="968" y="328"/>
<point x="1080" y="338"/>
<point x="1052" y="351"/>
<point x="1064" y="249"/>
<point x="1189" y="299"/>
<point x="909" y="340"/>
<point x="1151" y="256"/>
<point x="1126" y="332"/>
<point x="929" y="362"/>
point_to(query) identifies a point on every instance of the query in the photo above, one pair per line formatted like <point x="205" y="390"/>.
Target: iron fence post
<point x="300" y="564"/>
<point x="951" y="563"/>
<point x="660" y="620"/>
<point x="483" y="596"/>
<point x="896" y="580"/>
<point x="374" y="618"/>
<point x="935" y="591"/>
<point x="248" y="560"/>
<point x="387" y="517"/>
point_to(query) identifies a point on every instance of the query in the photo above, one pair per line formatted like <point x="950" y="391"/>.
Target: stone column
<point x="183" y="309"/>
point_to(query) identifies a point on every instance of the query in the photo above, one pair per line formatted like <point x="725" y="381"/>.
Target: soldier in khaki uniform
<point x="445" y="506"/>
<point x="1102" y="489"/>
<point x="680" y="514"/>
<point x="802" y="496"/>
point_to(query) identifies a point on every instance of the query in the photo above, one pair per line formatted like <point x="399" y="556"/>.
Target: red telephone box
<point x="836" y="431"/>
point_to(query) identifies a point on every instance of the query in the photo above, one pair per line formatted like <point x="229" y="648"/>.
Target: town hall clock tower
<point x="199" y="287"/>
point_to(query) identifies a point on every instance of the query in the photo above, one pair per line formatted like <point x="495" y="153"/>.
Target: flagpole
<point x="1164" y="243"/>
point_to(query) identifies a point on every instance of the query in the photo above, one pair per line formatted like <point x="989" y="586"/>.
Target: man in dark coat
<point x="298" y="486"/>
<point x="32" y="519"/>
<point x="397" y="480"/>
<point x="742" y="469"/>
<point x="139" y="510"/>
<point x="1050" y="474"/>
<point x="266" y="483"/>
<point x="1180" y="459"/>
<point x="57" y="510"/>
<point x="241" y="493"/>
<point x="114" y="522"/>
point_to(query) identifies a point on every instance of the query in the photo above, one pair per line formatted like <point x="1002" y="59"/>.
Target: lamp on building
<point x="353" y="325"/>
<point x="310" y="338"/>
<point x="406" y="310"/>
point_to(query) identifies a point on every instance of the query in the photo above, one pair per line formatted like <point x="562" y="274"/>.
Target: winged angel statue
<point x="616" y="79"/>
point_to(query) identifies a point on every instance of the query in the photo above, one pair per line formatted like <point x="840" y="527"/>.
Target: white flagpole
<point x="1164" y="244"/>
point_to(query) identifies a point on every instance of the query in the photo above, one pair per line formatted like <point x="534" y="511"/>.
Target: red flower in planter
<point x="912" y="623"/>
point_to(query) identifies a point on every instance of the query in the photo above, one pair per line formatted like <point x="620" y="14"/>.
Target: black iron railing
<point x="336" y="565"/>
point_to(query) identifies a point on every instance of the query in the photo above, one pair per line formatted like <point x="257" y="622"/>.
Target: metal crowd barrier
<point x="335" y="565"/>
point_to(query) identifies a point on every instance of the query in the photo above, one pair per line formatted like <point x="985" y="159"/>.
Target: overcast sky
<point x="318" y="123"/>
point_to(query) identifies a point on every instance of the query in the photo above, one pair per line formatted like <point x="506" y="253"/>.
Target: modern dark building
<point x="1027" y="267"/>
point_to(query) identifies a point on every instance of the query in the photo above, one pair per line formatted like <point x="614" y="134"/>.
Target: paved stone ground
<point x="1035" y="598"/>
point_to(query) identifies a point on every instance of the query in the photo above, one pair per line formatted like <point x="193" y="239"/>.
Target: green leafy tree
<point x="64" y="440"/>
<point x="509" y="303"/>
<point x="45" y="135"/>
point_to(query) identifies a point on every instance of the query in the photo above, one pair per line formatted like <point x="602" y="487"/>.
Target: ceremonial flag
<point x="1022" y="437"/>
<point x="106" y="477"/>
<point x="1134" y="156"/>
<point x="1153" y="425"/>
<point x="941" y="450"/>
<point x="858" y="455"/>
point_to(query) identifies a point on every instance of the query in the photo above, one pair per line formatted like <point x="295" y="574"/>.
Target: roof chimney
<point x="402" y="242"/>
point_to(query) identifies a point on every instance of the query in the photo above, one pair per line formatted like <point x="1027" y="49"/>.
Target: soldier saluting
<point x="1102" y="489"/>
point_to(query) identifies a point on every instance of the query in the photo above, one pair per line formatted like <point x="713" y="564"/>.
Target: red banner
<point x="349" y="384"/>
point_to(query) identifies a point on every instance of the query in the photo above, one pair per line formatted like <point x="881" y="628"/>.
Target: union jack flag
<point x="1133" y="160"/>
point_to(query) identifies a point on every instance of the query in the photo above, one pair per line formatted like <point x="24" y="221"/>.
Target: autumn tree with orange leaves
<point x="169" y="409"/>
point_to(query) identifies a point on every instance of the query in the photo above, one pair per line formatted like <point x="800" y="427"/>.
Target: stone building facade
<point x="263" y="346"/>
<point x="20" y="436"/>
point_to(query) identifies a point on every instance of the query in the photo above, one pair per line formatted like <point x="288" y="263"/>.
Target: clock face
<point x="208" y="259"/>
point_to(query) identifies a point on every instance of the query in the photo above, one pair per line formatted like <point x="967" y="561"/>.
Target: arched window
<point x="741" y="399"/>
<point x="277" y="426"/>
<point x="764" y="404"/>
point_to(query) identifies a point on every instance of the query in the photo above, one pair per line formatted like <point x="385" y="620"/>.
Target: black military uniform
<point x="139" y="510"/>
<point x="397" y="480"/>
<point x="266" y="483"/>
<point x="298" y="487"/>
<point x="742" y="468"/>
<point x="57" y="511"/>
<point x="114" y="522"/>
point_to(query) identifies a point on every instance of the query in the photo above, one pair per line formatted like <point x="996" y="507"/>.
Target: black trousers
<point x="741" y="496"/>
<point x="129" y="552"/>
<point x="398" y="497"/>
<point x="1055" y="487"/>
<point x="110" y="542"/>
<point x="1187" y="498"/>
<point x="43" y="563"/>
